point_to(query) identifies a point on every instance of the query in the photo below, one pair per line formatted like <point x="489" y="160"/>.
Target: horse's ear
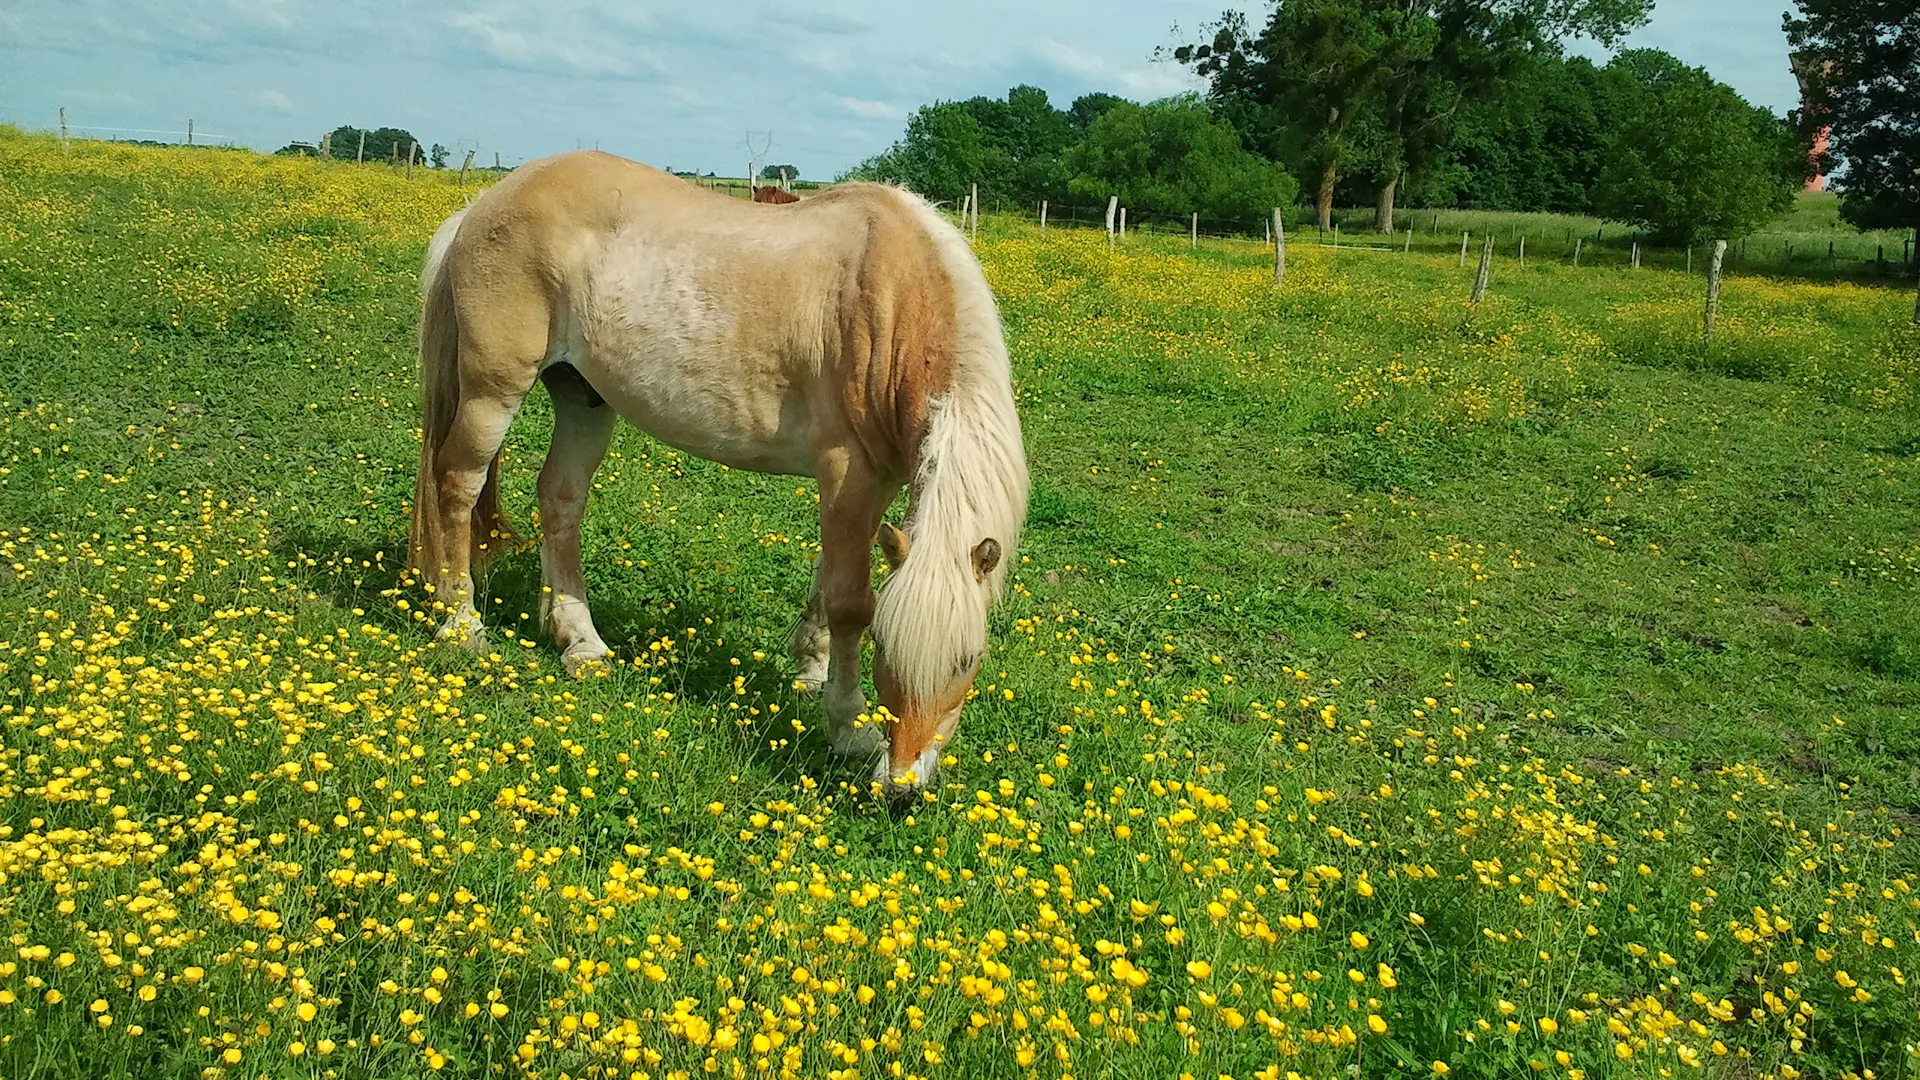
<point x="893" y="544"/>
<point x="986" y="556"/>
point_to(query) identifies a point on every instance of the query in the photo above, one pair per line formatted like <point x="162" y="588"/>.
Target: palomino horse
<point x="850" y="337"/>
<point x="774" y="195"/>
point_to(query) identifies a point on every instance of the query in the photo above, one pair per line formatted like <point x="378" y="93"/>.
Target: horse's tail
<point x="439" y="401"/>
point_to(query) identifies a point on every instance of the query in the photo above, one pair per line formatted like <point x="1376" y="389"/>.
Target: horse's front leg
<point x="852" y="499"/>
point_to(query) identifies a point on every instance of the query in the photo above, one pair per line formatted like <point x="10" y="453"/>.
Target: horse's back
<point x="722" y="326"/>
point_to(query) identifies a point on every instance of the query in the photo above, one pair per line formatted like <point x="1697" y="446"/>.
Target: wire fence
<point x="1576" y="240"/>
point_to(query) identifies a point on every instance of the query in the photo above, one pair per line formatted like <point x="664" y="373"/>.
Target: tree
<point x="1011" y="148"/>
<point x="1306" y="80"/>
<point x="298" y="149"/>
<point x="779" y="174"/>
<point x="1862" y="59"/>
<point x="1692" y="160"/>
<point x="1172" y="156"/>
<point x="1033" y="135"/>
<point x="382" y="143"/>
<point x="1309" y="70"/>
<point x="1090" y="107"/>
<point x="942" y="152"/>
<point x="438" y="156"/>
<point x="1538" y="146"/>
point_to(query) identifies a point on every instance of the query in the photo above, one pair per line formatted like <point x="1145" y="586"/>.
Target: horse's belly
<point x="744" y="416"/>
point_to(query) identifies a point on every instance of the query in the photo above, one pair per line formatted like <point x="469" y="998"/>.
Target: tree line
<point x="1474" y="104"/>
<point x="381" y="144"/>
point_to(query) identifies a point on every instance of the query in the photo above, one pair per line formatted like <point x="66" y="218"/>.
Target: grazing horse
<point x="774" y="195"/>
<point x="851" y="338"/>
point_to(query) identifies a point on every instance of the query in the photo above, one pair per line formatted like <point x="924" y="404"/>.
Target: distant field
<point x="1388" y="687"/>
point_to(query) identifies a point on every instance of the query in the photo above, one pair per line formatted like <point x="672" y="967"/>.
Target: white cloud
<point x="873" y="110"/>
<point x="1142" y="80"/>
<point x="273" y="99"/>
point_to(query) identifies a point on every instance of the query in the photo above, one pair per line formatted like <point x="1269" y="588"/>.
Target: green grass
<point x="1529" y="661"/>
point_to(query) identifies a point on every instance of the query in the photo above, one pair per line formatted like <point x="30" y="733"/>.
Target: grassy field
<point x="1390" y="687"/>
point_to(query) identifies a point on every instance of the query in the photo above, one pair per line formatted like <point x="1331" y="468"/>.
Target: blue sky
<point x="675" y="84"/>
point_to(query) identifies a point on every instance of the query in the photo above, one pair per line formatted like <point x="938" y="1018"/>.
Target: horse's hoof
<point x="467" y="635"/>
<point x="810" y="672"/>
<point x="859" y="743"/>
<point x="582" y="664"/>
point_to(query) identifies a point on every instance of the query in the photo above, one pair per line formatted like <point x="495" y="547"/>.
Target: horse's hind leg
<point x="582" y="431"/>
<point x="462" y="464"/>
<point x="811" y="639"/>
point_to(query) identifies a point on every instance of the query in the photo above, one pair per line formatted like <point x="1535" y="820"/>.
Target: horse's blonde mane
<point x="970" y="484"/>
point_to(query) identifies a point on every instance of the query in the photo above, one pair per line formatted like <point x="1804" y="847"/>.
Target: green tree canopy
<point x="942" y="152"/>
<point x="1011" y="148"/>
<point x="381" y="142"/>
<point x="1691" y="160"/>
<point x="1090" y="107"/>
<point x="1173" y="157"/>
<point x="1861" y="62"/>
<point x="1303" y="85"/>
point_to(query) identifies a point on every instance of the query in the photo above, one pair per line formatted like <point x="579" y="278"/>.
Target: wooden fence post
<point x="496" y="162"/>
<point x="1193" y="234"/>
<point x="974" y="201"/>
<point x="1713" y="289"/>
<point x="1336" y="234"/>
<point x="326" y="147"/>
<point x="1486" y="269"/>
<point x="1043" y="217"/>
<point x="412" y="149"/>
<point x="1576" y="250"/>
<point x="1689" y="260"/>
<point x="1636" y="254"/>
<point x="1123" y="223"/>
<point x="1523" y="253"/>
<point x="1408" y="249"/>
<point x="1113" y="207"/>
<point x="360" y="155"/>
<point x="63" y="129"/>
<point x="464" y="166"/>
<point x="1463" y="251"/>
<point x="189" y="131"/>
<point x="1279" y="228"/>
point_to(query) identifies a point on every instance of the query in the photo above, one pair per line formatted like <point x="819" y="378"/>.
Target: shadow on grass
<point x="697" y="670"/>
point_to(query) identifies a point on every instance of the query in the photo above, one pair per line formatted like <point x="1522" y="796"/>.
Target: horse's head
<point x="930" y="637"/>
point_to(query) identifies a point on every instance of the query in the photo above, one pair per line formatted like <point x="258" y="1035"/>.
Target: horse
<point x="850" y="337"/>
<point x="774" y="195"/>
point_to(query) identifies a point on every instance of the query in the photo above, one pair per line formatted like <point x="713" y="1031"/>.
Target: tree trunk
<point x="1383" y="215"/>
<point x="1326" y="194"/>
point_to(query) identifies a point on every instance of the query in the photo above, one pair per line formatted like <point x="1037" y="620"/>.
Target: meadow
<point x="1388" y="686"/>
